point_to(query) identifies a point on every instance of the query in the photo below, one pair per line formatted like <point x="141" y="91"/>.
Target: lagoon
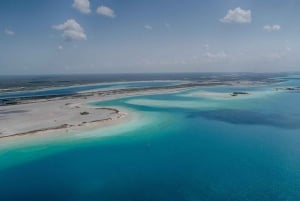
<point x="177" y="146"/>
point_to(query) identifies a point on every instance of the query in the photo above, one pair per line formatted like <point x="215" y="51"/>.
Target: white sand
<point x="53" y="115"/>
<point x="175" y="104"/>
<point x="215" y="95"/>
<point x="63" y="114"/>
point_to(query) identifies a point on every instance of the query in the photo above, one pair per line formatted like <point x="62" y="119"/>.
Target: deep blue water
<point x="187" y="147"/>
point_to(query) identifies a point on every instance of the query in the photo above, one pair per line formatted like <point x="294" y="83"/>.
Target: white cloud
<point x="82" y="5"/>
<point x="274" y="27"/>
<point x="278" y="54"/>
<point x="215" y="57"/>
<point x="106" y="11"/>
<point x="71" y="30"/>
<point x="9" y="32"/>
<point x="148" y="27"/>
<point x="167" y="25"/>
<point x="237" y="15"/>
<point x="60" y="47"/>
<point x="204" y="58"/>
<point x="288" y="49"/>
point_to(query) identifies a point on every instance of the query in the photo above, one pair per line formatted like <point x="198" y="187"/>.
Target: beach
<point x="66" y="114"/>
<point x="54" y="115"/>
<point x="73" y="113"/>
<point x="168" y="142"/>
<point x="149" y="100"/>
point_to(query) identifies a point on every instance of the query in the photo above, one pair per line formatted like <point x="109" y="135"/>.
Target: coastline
<point x="65" y="114"/>
<point x="73" y="113"/>
<point x="51" y="116"/>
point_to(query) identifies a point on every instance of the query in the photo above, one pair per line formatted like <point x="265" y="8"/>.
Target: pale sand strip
<point x="221" y="95"/>
<point x="66" y="114"/>
<point x="54" y="115"/>
<point x="72" y="113"/>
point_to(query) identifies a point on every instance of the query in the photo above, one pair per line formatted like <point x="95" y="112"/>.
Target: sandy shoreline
<point x="64" y="114"/>
<point x="53" y="116"/>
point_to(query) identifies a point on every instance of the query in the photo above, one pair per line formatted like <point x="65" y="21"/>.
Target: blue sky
<point x="135" y="36"/>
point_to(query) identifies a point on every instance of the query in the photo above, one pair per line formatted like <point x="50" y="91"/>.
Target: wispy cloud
<point x="215" y="57"/>
<point x="82" y="6"/>
<point x="270" y="28"/>
<point x="71" y="30"/>
<point x="106" y="11"/>
<point x="278" y="54"/>
<point x="9" y="32"/>
<point x="237" y="15"/>
<point x="167" y="24"/>
<point x="203" y="58"/>
<point x="148" y="27"/>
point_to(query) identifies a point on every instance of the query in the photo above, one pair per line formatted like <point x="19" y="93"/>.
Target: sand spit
<point x="63" y="114"/>
<point x="48" y="114"/>
<point x="222" y="95"/>
<point x="53" y="115"/>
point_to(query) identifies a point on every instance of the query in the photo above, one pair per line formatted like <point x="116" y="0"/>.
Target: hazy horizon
<point x="173" y="36"/>
<point x="146" y="73"/>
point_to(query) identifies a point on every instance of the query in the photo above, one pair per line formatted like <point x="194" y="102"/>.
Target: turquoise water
<point x="179" y="146"/>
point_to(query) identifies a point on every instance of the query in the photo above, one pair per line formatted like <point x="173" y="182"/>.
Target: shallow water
<point x="84" y="88"/>
<point x="180" y="147"/>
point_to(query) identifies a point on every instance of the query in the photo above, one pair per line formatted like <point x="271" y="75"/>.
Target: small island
<point x="291" y="88"/>
<point x="239" y="93"/>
